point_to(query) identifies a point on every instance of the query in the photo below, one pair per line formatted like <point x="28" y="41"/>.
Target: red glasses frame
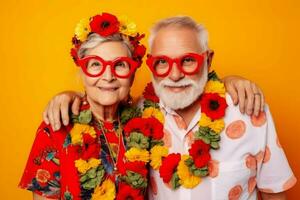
<point x="199" y="57"/>
<point x="133" y="65"/>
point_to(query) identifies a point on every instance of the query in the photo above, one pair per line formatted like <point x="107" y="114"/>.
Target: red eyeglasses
<point x="188" y="64"/>
<point x="95" y="66"/>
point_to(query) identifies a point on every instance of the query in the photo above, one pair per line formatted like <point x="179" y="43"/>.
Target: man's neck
<point x="189" y="112"/>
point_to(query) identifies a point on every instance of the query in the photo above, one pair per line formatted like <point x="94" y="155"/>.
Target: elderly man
<point x="247" y="158"/>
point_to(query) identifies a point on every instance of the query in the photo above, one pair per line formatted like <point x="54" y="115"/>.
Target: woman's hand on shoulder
<point x="246" y="93"/>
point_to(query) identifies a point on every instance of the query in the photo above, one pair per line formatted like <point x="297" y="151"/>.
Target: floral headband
<point x="106" y="25"/>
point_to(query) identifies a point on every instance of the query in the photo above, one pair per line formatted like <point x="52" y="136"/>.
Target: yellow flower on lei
<point x="153" y="112"/>
<point x="82" y="29"/>
<point x="187" y="179"/>
<point x="106" y="190"/>
<point x="83" y="166"/>
<point x="77" y="131"/>
<point x="216" y="125"/>
<point x="215" y="87"/>
<point x="127" y="27"/>
<point x="135" y="154"/>
<point x="157" y="152"/>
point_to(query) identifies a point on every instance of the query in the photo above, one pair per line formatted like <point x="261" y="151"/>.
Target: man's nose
<point x="175" y="73"/>
<point x="107" y="74"/>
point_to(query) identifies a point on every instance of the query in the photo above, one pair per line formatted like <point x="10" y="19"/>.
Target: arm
<point x="274" y="196"/>
<point x="245" y="93"/>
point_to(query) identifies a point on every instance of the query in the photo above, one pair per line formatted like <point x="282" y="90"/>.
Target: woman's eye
<point x="160" y="62"/>
<point x="120" y="64"/>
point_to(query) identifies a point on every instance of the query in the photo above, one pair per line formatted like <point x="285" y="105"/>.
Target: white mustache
<point x="181" y="83"/>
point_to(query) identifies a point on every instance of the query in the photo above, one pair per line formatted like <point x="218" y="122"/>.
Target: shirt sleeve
<point x="274" y="173"/>
<point x="42" y="171"/>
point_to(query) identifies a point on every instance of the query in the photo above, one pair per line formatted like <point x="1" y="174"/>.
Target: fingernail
<point x="65" y="122"/>
<point x="57" y="127"/>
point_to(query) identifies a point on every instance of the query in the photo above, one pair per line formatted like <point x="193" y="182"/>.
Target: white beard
<point x="180" y="100"/>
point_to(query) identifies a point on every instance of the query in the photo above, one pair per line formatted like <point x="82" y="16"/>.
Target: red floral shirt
<point x="51" y="170"/>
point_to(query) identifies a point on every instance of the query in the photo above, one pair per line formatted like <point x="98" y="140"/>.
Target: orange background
<point x="255" y="39"/>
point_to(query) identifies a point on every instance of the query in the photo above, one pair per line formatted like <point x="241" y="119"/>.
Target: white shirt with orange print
<point x="250" y="158"/>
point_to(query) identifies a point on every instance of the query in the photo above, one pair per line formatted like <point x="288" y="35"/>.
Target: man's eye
<point x="188" y="60"/>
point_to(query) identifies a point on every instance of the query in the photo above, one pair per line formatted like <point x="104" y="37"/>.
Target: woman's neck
<point x="103" y="113"/>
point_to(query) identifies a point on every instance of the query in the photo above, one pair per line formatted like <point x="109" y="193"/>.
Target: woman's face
<point x="107" y="89"/>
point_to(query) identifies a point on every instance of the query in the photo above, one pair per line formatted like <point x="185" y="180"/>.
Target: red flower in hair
<point x="200" y="153"/>
<point x="169" y="166"/>
<point x="136" y="166"/>
<point x="213" y="105"/>
<point x="149" y="93"/>
<point x="105" y="24"/>
<point x="139" y="52"/>
<point x="74" y="56"/>
<point x="126" y="192"/>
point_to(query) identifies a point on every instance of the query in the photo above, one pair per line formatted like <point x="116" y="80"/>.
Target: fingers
<point x="76" y="105"/>
<point x="233" y="93"/>
<point x="242" y="98"/>
<point x="250" y="98"/>
<point x="45" y="115"/>
<point x="262" y="100"/>
<point x="56" y="113"/>
<point x="50" y="114"/>
<point x="64" y="109"/>
<point x="257" y="99"/>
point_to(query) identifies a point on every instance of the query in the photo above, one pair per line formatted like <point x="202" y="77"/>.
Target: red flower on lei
<point x="169" y="166"/>
<point x="105" y="24"/>
<point x="155" y="127"/>
<point x="149" y="93"/>
<point x="127" y="192"/>
<point x="213" y="105"/>
<point x="200" y="153"/>
<point x="136" y="166"/>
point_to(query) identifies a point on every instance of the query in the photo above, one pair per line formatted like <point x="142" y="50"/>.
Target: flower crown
<point x="106" y="25"/>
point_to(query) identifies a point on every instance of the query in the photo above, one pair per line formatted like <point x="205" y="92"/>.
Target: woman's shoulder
<point x="45" y="133"/>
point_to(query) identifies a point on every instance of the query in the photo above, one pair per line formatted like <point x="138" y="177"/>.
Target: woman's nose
<point x="107" y="74"/>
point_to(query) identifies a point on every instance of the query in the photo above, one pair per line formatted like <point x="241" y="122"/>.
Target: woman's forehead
<point x="109" y="50"/>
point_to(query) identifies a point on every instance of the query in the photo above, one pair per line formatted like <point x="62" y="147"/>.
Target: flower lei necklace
<point x="95" y="175"/>
<point x="187" y="170"/>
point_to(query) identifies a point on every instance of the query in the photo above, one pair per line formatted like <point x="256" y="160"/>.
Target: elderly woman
<point x="103" y="152"/>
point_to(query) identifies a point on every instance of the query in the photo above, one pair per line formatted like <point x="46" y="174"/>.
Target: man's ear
<point x="210" y="55"/>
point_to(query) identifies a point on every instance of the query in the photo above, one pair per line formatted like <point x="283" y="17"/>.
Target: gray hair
<point x="181" y="21"/>
<point x="95" y="39"/>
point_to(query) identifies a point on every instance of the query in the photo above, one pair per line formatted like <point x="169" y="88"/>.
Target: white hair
<point x="95" y="39"/>
<point x="181" y="21"/>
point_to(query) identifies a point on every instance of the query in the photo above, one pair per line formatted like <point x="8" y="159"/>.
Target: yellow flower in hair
<point x="157" y="152"/>
<point x="127" y="27"/>
<point x="215" y="87"/>
<point x="187" y="179"/>
<point x="106" y="190"/>
<point x="82" y="29"/>
<point x="216" y="125"/>
<point x="153" y="112"/>
<point x="77" y="131"/>
<point x="135" y="154"/>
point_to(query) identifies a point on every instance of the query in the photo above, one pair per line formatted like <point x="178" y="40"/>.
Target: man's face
<point x="178" y="90"/>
